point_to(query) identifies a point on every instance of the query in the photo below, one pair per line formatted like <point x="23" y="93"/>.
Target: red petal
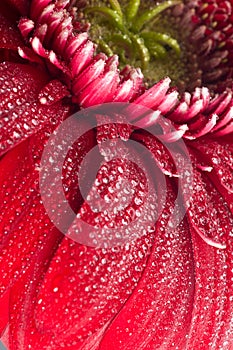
<point x="22" y="112"/>
<point x="53" y="92"/>
<point x="88" y="285"/>
<point x="211" y="326"/>
<point x="24" y="221"/>
<point x="85" y="287"/>
<point x="158" y="314"/>
<point x="23" y="292"/>
<point x="208" y="213"/>
<point x="20" y="84"/>
<point x="10" y="36"/>
<point x="161" y="154"/>
<point x="32" y="238"/>
<point x="4" y="315"/>
<point x="219" y="157"/>
<point x="21" y="5"/>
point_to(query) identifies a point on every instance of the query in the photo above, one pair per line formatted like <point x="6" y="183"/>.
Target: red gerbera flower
<point x="171" y="287"/>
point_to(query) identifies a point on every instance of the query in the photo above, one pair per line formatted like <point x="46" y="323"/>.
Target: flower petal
<point x="211" y="326"/>
<point x="218" y="156"/>
<point x="22" y="112"/>
<point x="20" y="233"/>
<point x="155" y="95"/>
<point x="208" y="212"/>
<point x="158" y="313"/>
<point x="21" y="5"/>
<point x="31" y="229"/>
<point x="23" y="292"/>
<point x="159" y="151"/>
<point x="103" y="88"/>
<point x="24" y="221"/>
<point x="10" y="36"/>
<point x="53" y="92"/>
<point x="4" y="316"/>
<point x="92" y="72"/>
<point x="91" y="284"/>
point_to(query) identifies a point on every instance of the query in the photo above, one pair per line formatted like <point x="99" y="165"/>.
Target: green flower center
<point x="140" y="34"/>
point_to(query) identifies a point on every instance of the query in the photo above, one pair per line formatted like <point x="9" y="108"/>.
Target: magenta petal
<point x="225" y="119"/>
<point x="60" y="39"/>
<point x="92" y="72"/>
<point x="226" y="130"/>
<point x="25" y="26"/>
<point x="169" y="103"/>
<point x="125" y="91"/>
<point x="74" y="44"/>
<point x="38" y="47"/>
<point x="220" y="103"/>
<point x="46" y="14"/>
<point x="201" y="127"/>
<point x="99" y="91"/>
<point x="191" y="105"/>
<point x="37" y="6"/>
<point x="155" y="95"/>
<point x="137" y="77"/>
<point x="29" y="55"/>
<point x="158" y="313"/>
<point x="82" y="57"/>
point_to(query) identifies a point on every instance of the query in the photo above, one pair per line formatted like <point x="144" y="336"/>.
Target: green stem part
<point x="148" y="15"/>
<point x="111" y="15"/>
<point x="131" y="10"/>
<point x="121" y="40"/>
<point x="125" y="32"/>
<point x="116" y="7"/>
<point x="157" y="50"/>
<point x="104" y="47"/>
<point x="141" y="49"/>
<point x="151" y="37"/>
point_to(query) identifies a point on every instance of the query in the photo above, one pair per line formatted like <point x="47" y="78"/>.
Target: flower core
<point x="140" y="33"/>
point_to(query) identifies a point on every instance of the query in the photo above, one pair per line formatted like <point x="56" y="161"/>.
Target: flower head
<point x="171" y="287"/>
